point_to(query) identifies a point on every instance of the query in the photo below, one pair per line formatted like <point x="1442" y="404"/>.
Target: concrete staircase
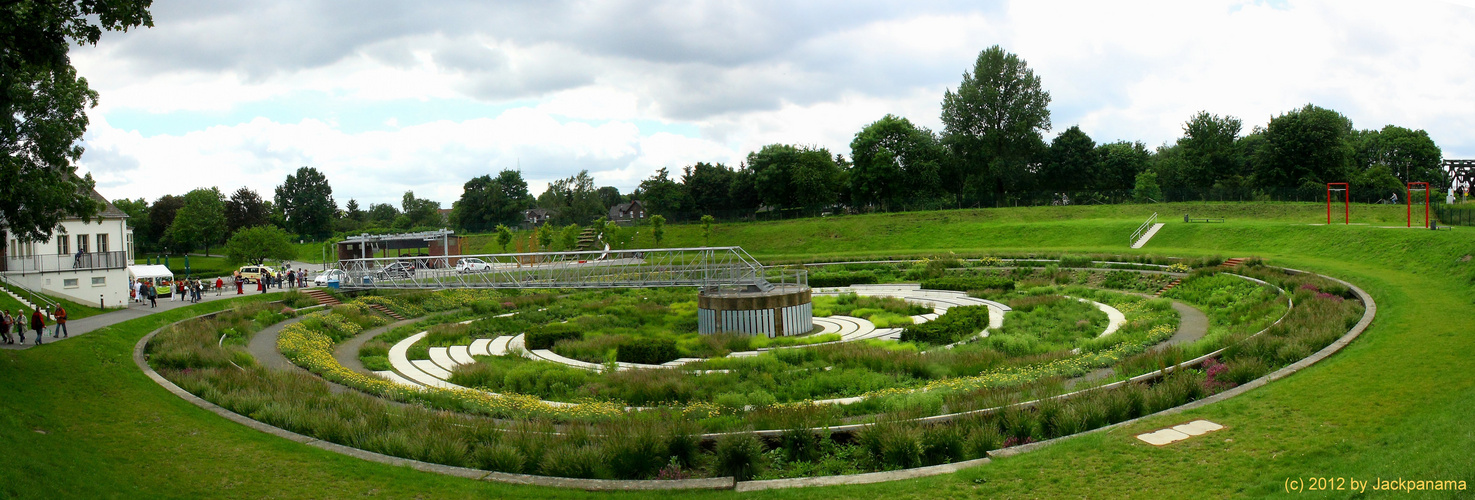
<point x="1169" y="287"/>
<point x="386" y="311"/>
<point x="586" y="239"/>
<point x="1147" y="235"/>
<point x="321" y="296"/>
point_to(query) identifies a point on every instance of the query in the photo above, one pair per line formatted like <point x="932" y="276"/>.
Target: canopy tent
<point x="153" y="273"/>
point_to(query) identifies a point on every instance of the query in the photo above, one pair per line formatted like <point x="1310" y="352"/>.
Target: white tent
<point x="153" y="273"/>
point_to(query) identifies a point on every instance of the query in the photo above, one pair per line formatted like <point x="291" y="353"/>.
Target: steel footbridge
<point x="708" y="268"/>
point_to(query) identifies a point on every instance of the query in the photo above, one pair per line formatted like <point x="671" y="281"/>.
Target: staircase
<point x="586" y="239"/>
<point x="1169" y="287"/>
<point x="321" y="296"/>
<point x="386" y="311"/>
<point x="1232" y="262"/>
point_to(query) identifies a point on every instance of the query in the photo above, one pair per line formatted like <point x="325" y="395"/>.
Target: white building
<point x="82" y="261"/>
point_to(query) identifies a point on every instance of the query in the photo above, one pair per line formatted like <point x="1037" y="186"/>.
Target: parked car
<point x="324" y="277"/>
<point x="473" y="265"/>
<point x="399" y="269"/>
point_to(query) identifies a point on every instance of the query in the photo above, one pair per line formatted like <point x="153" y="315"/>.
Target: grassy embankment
<point x="1393" y="404"/>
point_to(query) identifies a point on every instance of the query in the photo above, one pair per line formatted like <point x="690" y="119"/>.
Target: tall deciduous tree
<point x="245" y="208"/>
<point x="1209" y="148"/>
<point x="254" y="245"/>
<point x="1410" y="155"/>
<point x="573" y="200"/>
<point x="708" y="186"/>
<point x="421" y="212"/>
<point x="658" y="228"/>
<point x="201" y="221"/>
<point x="993" y="123"/>
<point x="661" y="194"/>
<point x="306" y="200"/>
<point x="43" y="108"/>
<point x="382" y="214"/>
<point x="1073" y="164"/>
<point x="161" y="216"/>
<point x="1121" y="161"/>
<point x="487" y="201"/>
<point x="796" y="176"/>
<point x="1306" y="147"/>
<point x="895" y="162"/>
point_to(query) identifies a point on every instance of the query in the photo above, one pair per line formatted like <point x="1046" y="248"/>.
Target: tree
<point x="1146" y="189"/>
<point x="43" y="107"/>
<point x="658" y="228"/>
<point x="1306" y="147"/>
<point x="504" y="236"/>
<point x="306" y="200"/>
<point x="569" y="236"/>
<point x="137" y="210"/>
<point x="487" y="201"/>
<point x="545" y="236"/>
<point x="573" y="200"/>
<point x="795" y="176"/>
<point x="1409" y="154"/>
<point x="201" y="221"/>
<point x="707" y="223"/>
<point x="610" y="196"/>
<point x="1073" y="164"/>
<point x="661" y="194"/>
<point x="245" y="208"/>
<point x="993" y="123"/>
<point x="352" y="211"/>
<point x="1121" y="161"/>
<point x="708" y="186"/>
<point x="895" y="162"/>
<point x="382" y="213"/>
<point x="420" y="212"/>
<point x="254" y="245"/>
<point x="161" y="216"/>
<point x="743" y="193"/>
<point x="1209" y="149"/>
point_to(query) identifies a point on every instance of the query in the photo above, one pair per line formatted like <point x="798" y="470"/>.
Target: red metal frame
<point x="1346" y="202"/>
<point x="1408" y="192"/>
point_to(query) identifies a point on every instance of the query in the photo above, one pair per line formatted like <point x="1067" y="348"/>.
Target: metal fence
<point x="57" y="263"/>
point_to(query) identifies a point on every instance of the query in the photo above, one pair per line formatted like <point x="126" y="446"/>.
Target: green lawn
<point x="77" y="419"/>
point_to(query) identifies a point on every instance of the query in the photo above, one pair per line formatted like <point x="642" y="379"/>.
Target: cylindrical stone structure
<point x="785" y="310"/>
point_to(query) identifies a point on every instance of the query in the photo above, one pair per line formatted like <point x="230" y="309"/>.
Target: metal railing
<point x="1141" y="229"/>
<point x="58" y="263"/>
<point x="705" y="267"/>
<point x="29" y="295"/>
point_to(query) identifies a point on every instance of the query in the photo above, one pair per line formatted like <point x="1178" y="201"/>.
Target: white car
<point x="323" y="278"/>
<point x="473" y="265"/>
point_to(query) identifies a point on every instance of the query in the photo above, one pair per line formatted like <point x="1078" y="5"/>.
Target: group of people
<point x="291" y="278"/>
<point x="17" y="324"/>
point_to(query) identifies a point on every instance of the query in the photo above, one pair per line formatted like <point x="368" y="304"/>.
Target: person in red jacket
<point x="38" y="323"/>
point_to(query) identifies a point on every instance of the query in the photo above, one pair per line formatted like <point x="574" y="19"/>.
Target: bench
<point x="1186" y="218"/>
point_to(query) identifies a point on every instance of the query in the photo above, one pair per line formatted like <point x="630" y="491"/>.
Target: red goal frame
<point x="1346" y="202"/>
<point x="1408" y="192"/>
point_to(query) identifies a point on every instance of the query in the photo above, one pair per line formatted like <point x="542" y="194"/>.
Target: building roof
<point x="108" y="210"/>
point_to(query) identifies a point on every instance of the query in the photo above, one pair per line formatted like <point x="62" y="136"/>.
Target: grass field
<point x="77" y="419"/>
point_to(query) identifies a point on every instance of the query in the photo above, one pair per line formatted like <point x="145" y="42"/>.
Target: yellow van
<point x="253" y="274"/>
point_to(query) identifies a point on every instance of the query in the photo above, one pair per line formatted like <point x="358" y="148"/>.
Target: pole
<point x="1346" y="205"/>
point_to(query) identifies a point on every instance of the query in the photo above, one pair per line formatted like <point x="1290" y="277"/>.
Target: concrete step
<point x="1147" y="236"/>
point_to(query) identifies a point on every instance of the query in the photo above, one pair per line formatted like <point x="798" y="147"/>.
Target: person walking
<point x="19" y="320"/>
<point x="38" y="324"/>
<point x="240" y="287"/>
<point x="5" y="327"/>
<point x="261" y="284"/>
<point x="61" y="321"/>
<point x="219" y="283"/>
<point x="153" y="294"/>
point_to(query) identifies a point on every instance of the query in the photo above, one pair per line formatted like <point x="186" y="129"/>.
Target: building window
<point x="69" y="283"/>
<point x="82" y="243"/>
<point x="99" y="280"/>
<point x="102" y="242"/>
<point x="63" y="245"/>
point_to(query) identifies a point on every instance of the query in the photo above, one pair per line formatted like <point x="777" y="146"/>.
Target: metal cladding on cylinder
<point x="785" y="310"/>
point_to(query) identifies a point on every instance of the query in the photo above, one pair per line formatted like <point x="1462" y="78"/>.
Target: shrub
<point x="892" y="445"/>
<point x="498" y="457"/>
<point x="957" y="324"/>
<point x="649" y="351"/>
<point x="1075" y="261"/>
<point x="545" y="336"/>
<point x="800" y="445"/>
<point x="738" y="455"/>
<point x="635" y="452"/>
<point x="569" y="460"/>
<point x="833" y="279"/>
<point x="1241" y="371"/>
<point x="983" y="439"/>
<point x="942" y="444"/>
<point x="968" y="283"/>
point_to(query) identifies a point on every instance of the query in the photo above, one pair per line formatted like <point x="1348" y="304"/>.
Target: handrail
<point x="50" y="304"/>
<point x="1142" y="228"/>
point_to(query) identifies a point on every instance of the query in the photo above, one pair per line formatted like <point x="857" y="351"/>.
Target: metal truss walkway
<point x="706" y="268"/>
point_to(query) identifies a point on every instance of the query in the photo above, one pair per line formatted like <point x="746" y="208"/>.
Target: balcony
<point x="59" y="263"/>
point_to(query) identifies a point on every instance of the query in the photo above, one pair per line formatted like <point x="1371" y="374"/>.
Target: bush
<point x="892" y="445"/>
<point x="800" y="445"/>
<point x="983" y="439"/>
<point x="944" y="444"/>
<point x="738" y="455"/>
<point x="957" y="324"/>
<point x="968" y="283"/>
<point x="636" y="453"/>
<point x="1076" y="261"/>
<point x="498" y="457"/>
<point x="545" y="336"/>
<point x="832" y="279"/>
<point x="649" y="351"/>
<point x="573" y="461"/>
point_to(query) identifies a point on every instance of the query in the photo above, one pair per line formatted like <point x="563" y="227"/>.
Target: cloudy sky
<point x="389" y="96"/>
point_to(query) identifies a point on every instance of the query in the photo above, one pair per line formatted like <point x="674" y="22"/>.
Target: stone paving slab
<point x="442" y="359"/>
<point x="396" y="378"/>
<point x="479" y="347"/>
<point x="1197" y="427"/>
<point x="1162" y="437"/>
<point x="461" y="354"/>
<point x="1180" y="432"/>
<point x="430" y="368"/>
<point x="499" y="346"/>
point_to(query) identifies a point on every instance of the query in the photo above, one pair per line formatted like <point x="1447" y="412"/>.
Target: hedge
<point x="545" y="336"/>
<point x="647" y="351"/>
<point x="968" y="283"/>
<point x="823" y="280"/>
<point x="958" y="323"/>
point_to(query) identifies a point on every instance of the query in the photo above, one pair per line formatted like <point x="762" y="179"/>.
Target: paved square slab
<point x="1197" y="427"/>
<point x="1162" y="437"/>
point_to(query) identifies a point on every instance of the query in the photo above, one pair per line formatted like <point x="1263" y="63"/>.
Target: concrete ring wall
<point x="784" y="311"/>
